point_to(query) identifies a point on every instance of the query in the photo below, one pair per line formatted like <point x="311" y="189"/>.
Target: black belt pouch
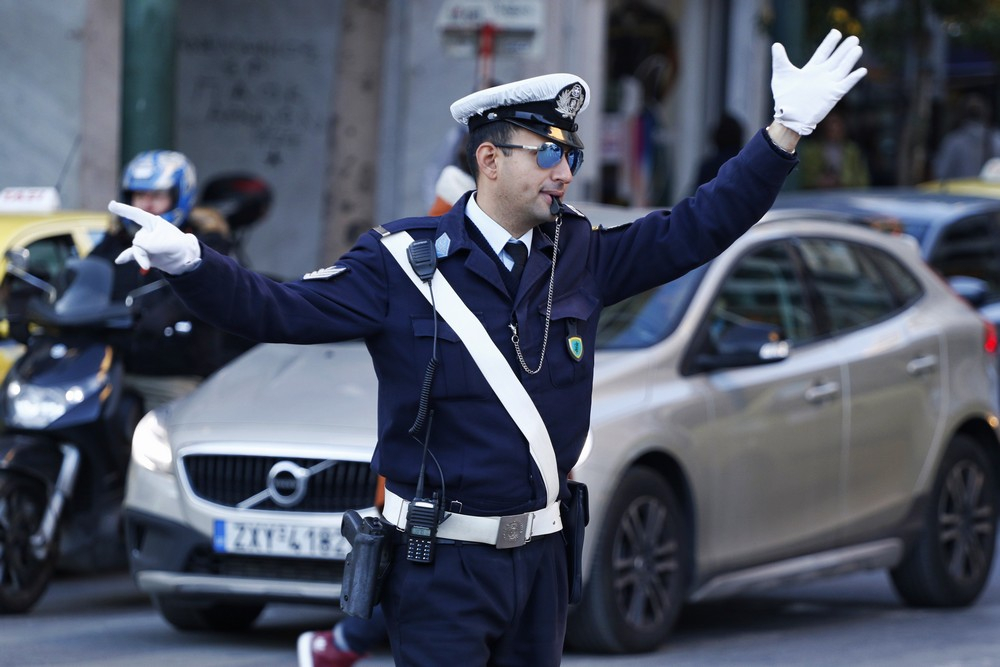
<point x="575" y="514"/>
<point x="366" y="565"/>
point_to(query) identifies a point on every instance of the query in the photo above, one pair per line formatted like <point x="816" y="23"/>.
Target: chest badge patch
<point x="575" y="346"/>
<point x="327" y="273"/>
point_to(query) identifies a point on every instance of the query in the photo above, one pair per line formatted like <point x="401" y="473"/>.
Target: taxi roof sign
<point x="29" y="200"/>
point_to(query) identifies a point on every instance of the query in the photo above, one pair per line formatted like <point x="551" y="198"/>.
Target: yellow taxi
<point x="31" y="220"/>
<point x="986" y="184"/>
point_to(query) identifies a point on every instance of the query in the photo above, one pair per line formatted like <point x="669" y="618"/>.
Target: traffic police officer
<point x="476" y="603"/>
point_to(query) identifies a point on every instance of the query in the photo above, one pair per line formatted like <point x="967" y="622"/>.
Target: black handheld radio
<point x="421" y="529"/>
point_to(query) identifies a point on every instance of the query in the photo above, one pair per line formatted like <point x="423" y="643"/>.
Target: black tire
<point x="200" y="616"/>
<point x="950" y="563"/>
<point x="23" y="576"/>
<point x="637" y="584"/>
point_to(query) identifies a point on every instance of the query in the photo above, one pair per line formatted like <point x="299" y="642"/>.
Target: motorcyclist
<point x="170" y="350"/>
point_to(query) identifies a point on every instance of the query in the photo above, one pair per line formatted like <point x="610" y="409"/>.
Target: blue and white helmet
<point x="162" y="170"/>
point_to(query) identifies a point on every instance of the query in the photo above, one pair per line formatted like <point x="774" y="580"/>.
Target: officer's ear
<point x="486" y="158"/>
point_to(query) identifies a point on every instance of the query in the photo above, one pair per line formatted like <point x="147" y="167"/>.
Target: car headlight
<point x="151" y="446"/>
<point x="31" y="406"/>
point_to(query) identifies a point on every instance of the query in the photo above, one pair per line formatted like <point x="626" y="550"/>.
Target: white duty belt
<point x="504" y="532"/>
<point x="509" y="390"/>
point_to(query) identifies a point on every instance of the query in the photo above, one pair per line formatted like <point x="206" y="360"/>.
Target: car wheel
<point x="24" y="576"/>
<point x="636" y="585"/>
<point x="201" y="616"/>
<point x="950" y="563"/>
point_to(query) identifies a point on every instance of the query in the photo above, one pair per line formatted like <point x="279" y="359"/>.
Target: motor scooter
<point x="67" y="426"/>
<point x="67" y="417"/>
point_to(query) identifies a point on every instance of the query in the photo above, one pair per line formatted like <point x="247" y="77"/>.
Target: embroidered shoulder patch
<point x="327" y="273"/>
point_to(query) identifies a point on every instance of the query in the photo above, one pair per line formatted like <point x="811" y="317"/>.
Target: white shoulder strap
<point x="490" y="360"/>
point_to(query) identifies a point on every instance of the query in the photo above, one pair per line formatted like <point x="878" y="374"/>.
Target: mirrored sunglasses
<point x="549" y="154"/>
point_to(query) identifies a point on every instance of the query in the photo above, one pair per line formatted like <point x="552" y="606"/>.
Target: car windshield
<point x="649" y="317"/>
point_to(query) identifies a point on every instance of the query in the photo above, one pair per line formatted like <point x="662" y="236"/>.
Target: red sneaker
<point x="316" y="649"/>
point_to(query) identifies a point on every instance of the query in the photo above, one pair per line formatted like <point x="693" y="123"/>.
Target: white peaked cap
<point x="546" y="105"/>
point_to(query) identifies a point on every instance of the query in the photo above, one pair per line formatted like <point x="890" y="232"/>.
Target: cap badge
<point x="569" y="100"/>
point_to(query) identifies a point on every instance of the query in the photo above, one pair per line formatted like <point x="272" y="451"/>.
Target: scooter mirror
<point x="17" y="265"/>
<point x="17" y="258"/>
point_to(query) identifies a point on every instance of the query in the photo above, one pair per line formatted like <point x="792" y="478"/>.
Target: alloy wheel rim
<point x="645" y="563"/>
<point x="966" y="517"/>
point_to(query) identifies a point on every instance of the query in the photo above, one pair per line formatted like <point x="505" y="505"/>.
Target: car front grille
<point x="229" y="480"/>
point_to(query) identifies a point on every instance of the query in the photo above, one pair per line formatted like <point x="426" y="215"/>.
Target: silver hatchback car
<point x="814" y="401"/>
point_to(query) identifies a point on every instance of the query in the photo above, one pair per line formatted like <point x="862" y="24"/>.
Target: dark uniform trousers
<point x="477" y="605"/>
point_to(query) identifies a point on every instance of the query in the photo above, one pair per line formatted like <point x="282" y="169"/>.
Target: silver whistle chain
<point x="514" y="338"/>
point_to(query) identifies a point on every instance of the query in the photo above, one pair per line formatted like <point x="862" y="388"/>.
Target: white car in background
<point x="814" y="401"/>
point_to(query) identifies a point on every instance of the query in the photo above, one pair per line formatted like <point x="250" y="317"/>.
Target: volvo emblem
<point x="287" y="483"/>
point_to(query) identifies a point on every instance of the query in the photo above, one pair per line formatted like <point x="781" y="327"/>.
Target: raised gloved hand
<point x="158" y="243"/>
<point x="803" y="97"/>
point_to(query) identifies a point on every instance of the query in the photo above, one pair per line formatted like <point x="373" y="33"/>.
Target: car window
<point x="904" y="284"/>
<point x="851" y="289"/>
<point x="971" y="247"/>
<point x="762" y="299"/>
<point x="649" y="317"/>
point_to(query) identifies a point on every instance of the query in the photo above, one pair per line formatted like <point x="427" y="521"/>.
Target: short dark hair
<point x="493" y="133"/>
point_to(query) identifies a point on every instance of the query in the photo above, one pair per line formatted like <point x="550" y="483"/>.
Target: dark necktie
<point x="519" y="253"/>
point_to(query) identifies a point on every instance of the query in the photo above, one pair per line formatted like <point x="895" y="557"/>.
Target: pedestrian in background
<point x="727" y="139"/>
<point x="834" y="160"/>
<point x="966" y="148"/>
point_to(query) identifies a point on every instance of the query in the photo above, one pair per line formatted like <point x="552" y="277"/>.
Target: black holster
<point x="366" y="565"/>
<point x="575" y="515"/>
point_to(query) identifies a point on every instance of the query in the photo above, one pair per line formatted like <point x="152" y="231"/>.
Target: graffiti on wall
<point x="256" y="88"/>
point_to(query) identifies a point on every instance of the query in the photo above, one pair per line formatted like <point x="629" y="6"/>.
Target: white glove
<point x="158" y="243"/>
<point x="803" y="97"/>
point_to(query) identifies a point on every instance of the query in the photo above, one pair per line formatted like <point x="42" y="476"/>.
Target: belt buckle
<point x="514" y="531"/>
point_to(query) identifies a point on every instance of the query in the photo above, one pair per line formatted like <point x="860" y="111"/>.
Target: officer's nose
<point x="562" y="172"/>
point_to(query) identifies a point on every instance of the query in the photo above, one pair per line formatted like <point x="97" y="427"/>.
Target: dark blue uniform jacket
<point x="484" y="457"/>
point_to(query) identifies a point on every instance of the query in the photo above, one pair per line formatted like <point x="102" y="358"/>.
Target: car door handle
<point x="922" y="365"/>
<point x="821" y="392"/>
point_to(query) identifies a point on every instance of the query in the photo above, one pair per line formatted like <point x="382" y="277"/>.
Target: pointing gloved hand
<point x="158" y="243"/>
<point x="803" y="97"/>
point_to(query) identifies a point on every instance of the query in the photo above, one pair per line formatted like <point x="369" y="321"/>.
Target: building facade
<point x="342" y="106"/>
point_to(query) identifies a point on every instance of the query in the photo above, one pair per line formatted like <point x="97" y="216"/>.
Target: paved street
<point x="104" y="621"/>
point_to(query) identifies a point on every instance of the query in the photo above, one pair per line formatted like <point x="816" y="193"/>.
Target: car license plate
<point x="275" y="539"/>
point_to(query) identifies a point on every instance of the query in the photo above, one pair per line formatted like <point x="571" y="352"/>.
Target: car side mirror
<point x="742" y="345"/>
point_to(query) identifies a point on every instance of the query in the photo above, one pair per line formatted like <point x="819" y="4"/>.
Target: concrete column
<point x="101" y="103"/>
<point x="355" y="125"/>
